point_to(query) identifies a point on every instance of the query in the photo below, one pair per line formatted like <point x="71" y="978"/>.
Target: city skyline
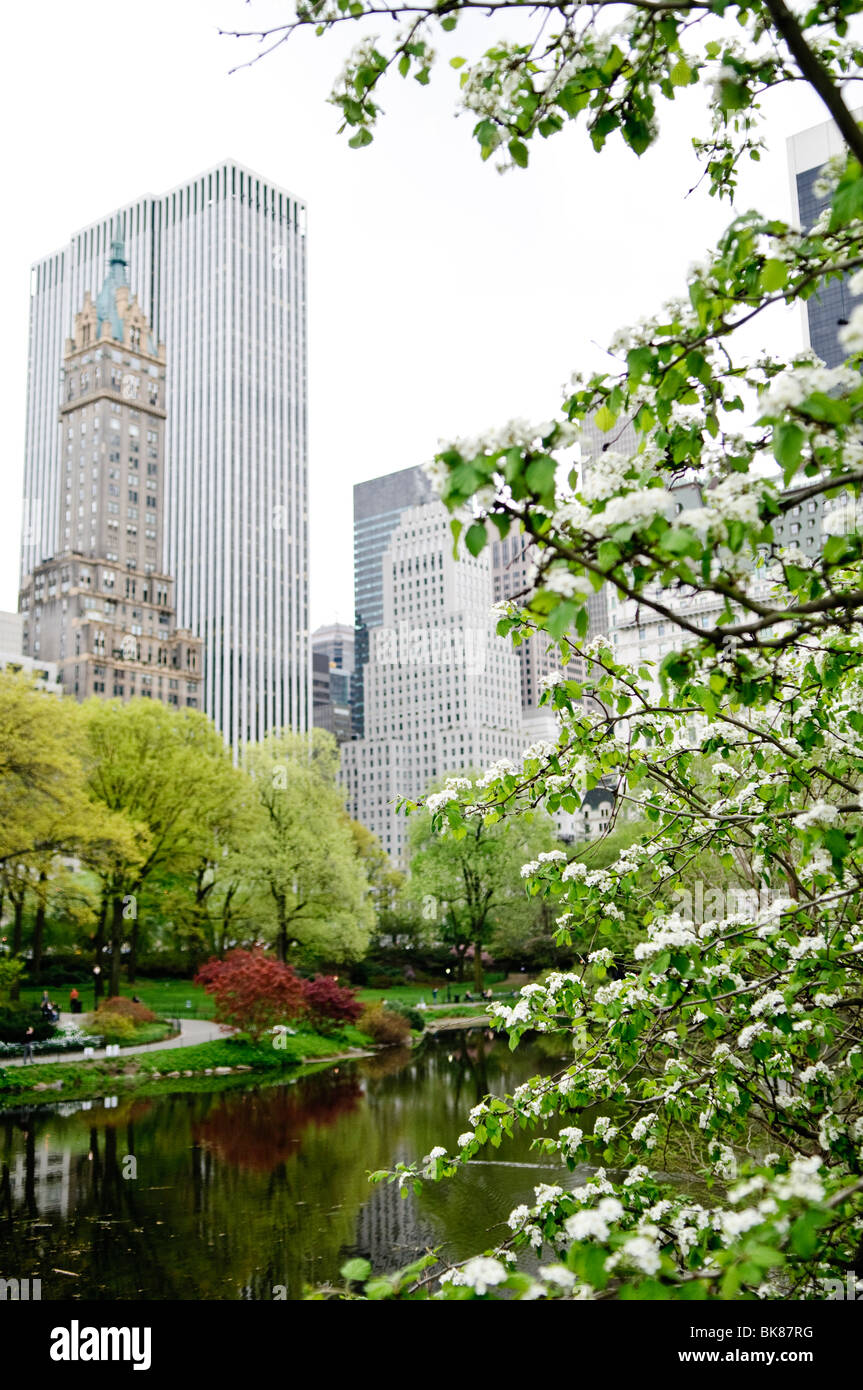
<point x="375" y="254"/>
<point x="219" y="267"/>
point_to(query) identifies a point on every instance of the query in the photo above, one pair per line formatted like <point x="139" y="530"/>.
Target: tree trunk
<point x="133" y="953"/>
<point x="18" y="926"/>
<point x="38" y="932"/>
<point x="98" y="957"/>
<point x="282" y="936"/>
<point x="17" y="939"/>
<point x="116" y="943"/>
<point x="477" y="966"/>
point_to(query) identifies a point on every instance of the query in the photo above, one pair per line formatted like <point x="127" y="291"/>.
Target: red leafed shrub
<point x="329" y="1002"/>
<point x="252" y="991"/>
<point x="127" y="1008"/>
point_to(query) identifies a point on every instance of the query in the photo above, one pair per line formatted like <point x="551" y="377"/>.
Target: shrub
<point x="114" y="1028"/>
<point x="384" y="1025"/>
<point x="252" y="991"/>
<point x="125" y="1008"/>
<point x="414" y="1017"/>
<point x="16" y="1018"/>
<point x="329" y="1002"/>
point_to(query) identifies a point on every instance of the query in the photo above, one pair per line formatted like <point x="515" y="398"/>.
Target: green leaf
<point x="518" y="150"/>
<point x="356" y="1270"/>
<point x="604" y="419"/>
<point x="362" y="137"/>
<point x="788" y="442"/>
<point x="681" y="74"/>
<point x="540" y="475"/>
<point x="773" y="276"/>
<point x="476" y="538"/>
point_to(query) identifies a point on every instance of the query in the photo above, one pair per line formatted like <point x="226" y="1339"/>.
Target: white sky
<point x="443" y="297"/>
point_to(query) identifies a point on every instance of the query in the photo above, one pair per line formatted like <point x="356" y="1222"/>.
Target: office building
<point x="442" y="690"/>
<point x="378" y="506"/>
<point x="217" y="267"/>
<point x="101" y="607"/>
<point x="826" y="312"/>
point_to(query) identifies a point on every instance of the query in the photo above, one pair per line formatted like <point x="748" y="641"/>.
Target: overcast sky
<point x="443" y="296"/>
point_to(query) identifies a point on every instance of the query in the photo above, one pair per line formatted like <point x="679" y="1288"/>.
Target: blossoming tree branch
<point x="737" y="1040"/>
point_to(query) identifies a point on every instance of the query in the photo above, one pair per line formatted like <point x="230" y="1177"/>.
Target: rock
<point x="40" y="1086"/>
<point x="188" y="1073"/>
<point x="172" y="1074"/>
<point x="221" y="1071"/>
<point x="243" y="1068"/>
<point x="208" y="1071"/>
<point x="155" y="1075"/>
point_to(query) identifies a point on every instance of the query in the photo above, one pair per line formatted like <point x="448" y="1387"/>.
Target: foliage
<point x="302" y="851"/>
<point x="122" y="1007"/>
<point x="327" y="1002"/>
<point x="415" y="1018"/>
<point x="739" y="1035"/>
<point x="11" y="970"/>
<point x="471" y="883"/>
<point x="113" y="1027"/>
<point x="252" y="991"/>
<point x="384" y="1025"/>
<point x="16" y="1018"/>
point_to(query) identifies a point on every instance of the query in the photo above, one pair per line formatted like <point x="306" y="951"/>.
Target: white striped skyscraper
<point x="219" y="268"/>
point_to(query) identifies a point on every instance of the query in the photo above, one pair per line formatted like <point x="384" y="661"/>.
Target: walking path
<point x="192" y="1030"/>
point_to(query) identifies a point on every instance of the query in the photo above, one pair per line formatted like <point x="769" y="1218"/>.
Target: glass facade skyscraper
<point x="218" y="265"/>
<point x="828" y="310"/>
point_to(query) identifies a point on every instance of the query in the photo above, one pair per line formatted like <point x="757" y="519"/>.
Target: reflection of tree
<point x="260" y="1130"/>
<point x="226" y="1206"/>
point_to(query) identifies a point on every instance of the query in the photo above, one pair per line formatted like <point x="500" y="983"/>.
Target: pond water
<point x="235" y="1192"/>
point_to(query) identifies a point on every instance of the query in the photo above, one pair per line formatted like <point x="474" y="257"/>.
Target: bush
<point x="414" y="1017"/>
<point x="252" y="991"/>
<point x="16" y="1018"/>
<point x="114" y="1028"/>
<point x="125" y="1008"/>
<point x="329" y="1002"/>
<point x="384" y="1025"/>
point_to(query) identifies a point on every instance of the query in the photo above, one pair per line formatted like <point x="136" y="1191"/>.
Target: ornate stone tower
<point x="103" y="607"/>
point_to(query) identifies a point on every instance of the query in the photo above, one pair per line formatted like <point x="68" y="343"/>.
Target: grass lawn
<point x="166" y="998"/>
<point x="102" y="1077"/>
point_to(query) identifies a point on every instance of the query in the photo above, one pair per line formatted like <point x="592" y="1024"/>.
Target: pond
<point x="232" y="1193"/>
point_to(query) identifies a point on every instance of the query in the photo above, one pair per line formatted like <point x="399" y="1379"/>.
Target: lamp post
<point x="447" y="983"/>
<point x="97" y="981"/>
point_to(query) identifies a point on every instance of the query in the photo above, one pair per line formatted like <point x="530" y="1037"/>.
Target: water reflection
<point x="239" y="1191"/>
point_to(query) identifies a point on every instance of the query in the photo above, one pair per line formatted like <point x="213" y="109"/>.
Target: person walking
<point x="74" y="1000"/>
<point x="28" y="1044"/>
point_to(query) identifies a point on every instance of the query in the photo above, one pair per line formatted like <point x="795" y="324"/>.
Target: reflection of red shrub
<point x="329" y="1002"/>
<point x="252" y="991"/>
<point x="262" y="1129"/>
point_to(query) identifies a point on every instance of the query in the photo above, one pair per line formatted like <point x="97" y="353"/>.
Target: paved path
<point x="192" y="1030"/>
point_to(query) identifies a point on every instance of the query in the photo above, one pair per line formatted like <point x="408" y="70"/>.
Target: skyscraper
<point x="442" y="690"/>
<point x="101" y="607"/>
<point x="828" y="310"/>
<point x="218" y="267"/>
<point x="378" y="505"/>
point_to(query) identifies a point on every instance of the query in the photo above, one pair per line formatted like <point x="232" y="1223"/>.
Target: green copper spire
<point x="106" y="304"/>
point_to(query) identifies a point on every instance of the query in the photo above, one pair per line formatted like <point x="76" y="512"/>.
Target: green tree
<point x="302" y="850"/>
<point x="473" y="881"/>
<point x="168" y="775"/>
